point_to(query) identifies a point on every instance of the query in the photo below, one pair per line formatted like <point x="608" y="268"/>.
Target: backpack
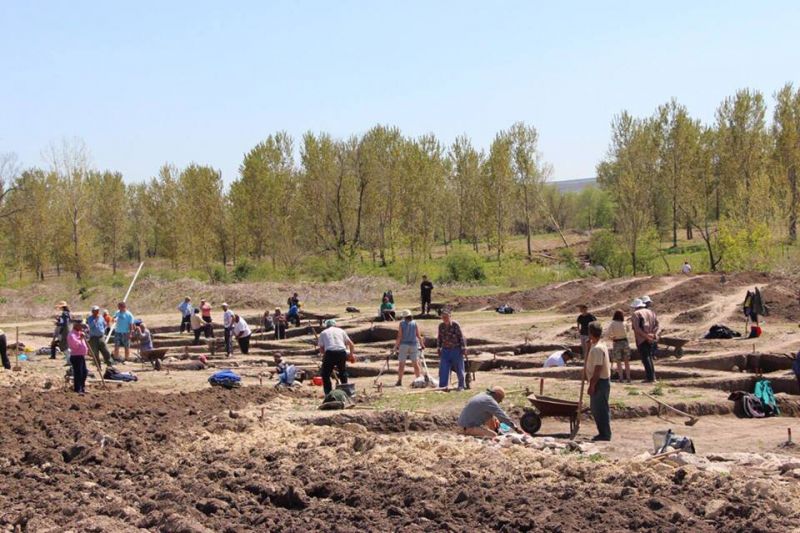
<point x="225" y="378"/>
<point x="720" y="331"/>
<point x="747" y="405"/>
<point x="763" y="391"/>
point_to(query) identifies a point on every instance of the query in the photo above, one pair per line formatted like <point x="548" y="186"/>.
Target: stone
<point x="352" y="427"/>
<point x="714" y="508"/>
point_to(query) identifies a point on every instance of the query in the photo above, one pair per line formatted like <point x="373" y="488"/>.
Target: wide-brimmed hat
<point x="645" y="299"/>
<point x="637" y="303"/>
<point x="61" y="304"/>
<point x="405" y="313"/>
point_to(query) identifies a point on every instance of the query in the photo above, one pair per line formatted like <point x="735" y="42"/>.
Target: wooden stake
<point x="17" y="368"/>
<point x="789" y="431"/>
<point x="541" y="386"/>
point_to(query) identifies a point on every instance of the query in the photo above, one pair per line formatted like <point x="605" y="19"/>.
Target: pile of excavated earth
<point x="170" y="453"/>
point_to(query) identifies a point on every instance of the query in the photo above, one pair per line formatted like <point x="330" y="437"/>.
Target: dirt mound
<point x="692" y="316"/>
<point x="387" y="421"/>
<point x="531" y="299"/>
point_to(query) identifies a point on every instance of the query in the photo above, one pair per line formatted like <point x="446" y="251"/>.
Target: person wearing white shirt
<point x="242" y="333"/>
<point x="227" y="323"/>
<point x="687" y="268"/>
<point x="559" y="358"/>
<point x="333" y="346"/>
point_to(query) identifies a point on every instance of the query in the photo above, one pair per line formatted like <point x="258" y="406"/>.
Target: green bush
<point x="464" y="266"/>
<point x="243" y="270"/>
<point x="218" y="274"/>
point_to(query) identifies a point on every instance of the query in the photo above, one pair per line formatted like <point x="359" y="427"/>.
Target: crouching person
<point x="483" y="414"/>
<point x="242" y="333"/>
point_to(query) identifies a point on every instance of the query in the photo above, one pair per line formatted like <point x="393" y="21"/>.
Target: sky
<point x="146" y="83"/>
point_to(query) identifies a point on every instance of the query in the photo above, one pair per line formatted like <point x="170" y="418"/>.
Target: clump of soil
<point x="690" y="317"/>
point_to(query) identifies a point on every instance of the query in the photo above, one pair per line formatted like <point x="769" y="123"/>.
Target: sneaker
<point x="398" y="384"/>
<point x="600" y="438"/>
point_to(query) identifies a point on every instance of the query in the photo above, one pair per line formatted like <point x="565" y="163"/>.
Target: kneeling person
<point x="480" y="416"/>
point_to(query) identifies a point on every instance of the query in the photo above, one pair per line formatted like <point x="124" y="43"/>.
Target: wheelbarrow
<point x="154" y="357"/>
<point x="544" y="406"/>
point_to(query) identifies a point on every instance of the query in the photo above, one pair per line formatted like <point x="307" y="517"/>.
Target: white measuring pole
<point x="125" y="299"/>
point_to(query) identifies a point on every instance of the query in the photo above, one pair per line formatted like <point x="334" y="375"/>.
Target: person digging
<point x="408" y="345"/>
<point x="482" y="415"/>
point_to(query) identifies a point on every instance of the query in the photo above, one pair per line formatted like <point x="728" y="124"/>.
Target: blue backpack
<point x="763" y="392"/>
<point x="225" y="378"/>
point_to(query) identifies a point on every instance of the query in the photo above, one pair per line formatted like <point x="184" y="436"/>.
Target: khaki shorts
<point x="620" y="351"/>
<point x="407" y="352"/>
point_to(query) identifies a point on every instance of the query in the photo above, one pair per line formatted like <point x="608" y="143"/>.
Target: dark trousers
<point x="228" y="344"/>
<point x="294" y="319"/>
<point x="209" y="329"/>
<point x="426" y="304"/>
<point x="646" y="350"/>
<point x="186" y="324"/>
<point x="280" y="331"/>
<point x="79" y="372"/>
<point x="244" y="344"/>
<point x="197" y="333"/>
<point x="333" y="359"/>
<point x="598" y="403"/>
<point x="98" y="346"/>
<point x="4" y="352"/>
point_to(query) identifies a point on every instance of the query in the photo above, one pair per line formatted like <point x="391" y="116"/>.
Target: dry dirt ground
<point x="169" y="453"/>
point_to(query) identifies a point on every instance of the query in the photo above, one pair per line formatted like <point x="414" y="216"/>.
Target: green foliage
<point x="243" y="270"/>
<point x="218" y="274"/>
<point x="746" y="248"/>
<point x="463" y="266"/>
<point x="605" y="250"/>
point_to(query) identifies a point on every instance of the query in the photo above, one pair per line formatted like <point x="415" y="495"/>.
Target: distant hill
<point x="574" y="185"/>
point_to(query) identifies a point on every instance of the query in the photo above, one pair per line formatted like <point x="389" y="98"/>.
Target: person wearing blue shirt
<point x="97" y="330"/>
<point x="186" y="314"/>
<point x="294" y="314"/>
<point x="123" y="320"/>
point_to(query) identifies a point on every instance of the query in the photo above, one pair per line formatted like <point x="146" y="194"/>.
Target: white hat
<point x="405" y="313"/>
<point x="637" y="304"/>
<point x="645" y="299"/>
<point x="95" y="308"/>
<point x="224" y="304"/>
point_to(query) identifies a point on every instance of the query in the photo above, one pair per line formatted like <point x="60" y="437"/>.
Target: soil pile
<point x="205" y="462"/>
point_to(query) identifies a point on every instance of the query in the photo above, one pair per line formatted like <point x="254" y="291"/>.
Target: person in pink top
<point x="78" y="348"/>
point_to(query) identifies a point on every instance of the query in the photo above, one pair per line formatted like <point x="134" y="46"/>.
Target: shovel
<point x="692" y="419"/>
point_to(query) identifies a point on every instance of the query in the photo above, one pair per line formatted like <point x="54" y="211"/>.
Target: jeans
<point x="4" y="352"/>
<point x="244" y="344"/>
<point x="79" y="372"/>
<point x="646" y="350"/>
<point x="426" y="303"/>
<point x="228" y="344"/>
<point x="599" y="406"/>
<point x="186" y="324"/>
<point x="333" y="359"/>
<point x="451" y="359"/>
<point x="98" y="346"/>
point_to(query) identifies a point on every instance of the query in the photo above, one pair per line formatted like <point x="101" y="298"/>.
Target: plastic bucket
<point x="348" y="388"/>
<point x="317" y="381"/>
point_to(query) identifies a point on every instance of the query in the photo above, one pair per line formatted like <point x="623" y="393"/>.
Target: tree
<point x="786" y="135"/>
<point x="498" y="192"/>
<point x="530" y="172"/>
<point x="29" y="226"/>
<point x="200" y="211"/>
<point x="626" y="173"/>
<point x="166" y="227"/>
<point x="465" y="180"/>
<point x="70" y="161"/>
<point x="109" y="213"/>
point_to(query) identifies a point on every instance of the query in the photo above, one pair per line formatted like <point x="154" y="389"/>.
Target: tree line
<point x="385" y="197"/>
<point x="732" y="182"/>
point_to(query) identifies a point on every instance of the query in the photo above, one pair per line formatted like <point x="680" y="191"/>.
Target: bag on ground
<point x="225" y="378"/>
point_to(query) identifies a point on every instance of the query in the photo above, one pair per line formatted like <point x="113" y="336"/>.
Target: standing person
<point x="242" y="333"/>
<point x="408" y="345"/>
<point x="425" y="292"/>
<point x="97" y="332"/>
<point x="185" y="308"/>
<point x="620" y="348"/>
<point x="198" y="326"/>
<point x="584" y="319"/>
<point x="334" y="344"/>
<point x="280" y="323"/>
<point x="598" y="373"/>
<point x="122" y="330"/>
<point x="387" y="310"/>
<point x="227" y="324"/>
<point x="645" y="331"/>
<point x="451" y="346"/>
<point x="205" y="313"/>
<point x="4" y="350"/>
<point x="62" y="330"/>
<point x="78" y="350"/>
<point x="293" y="315"/>
<point x="686" y="269"/>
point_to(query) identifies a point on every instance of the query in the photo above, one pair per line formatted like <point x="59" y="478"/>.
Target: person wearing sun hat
<point x="648" y="303"/>
<point x="78" y="348"/>
<point x="334" y="344"/>
<point x="97" y="330"/>
<point x="645" y="330"/>
<point x="408" y="345"/>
